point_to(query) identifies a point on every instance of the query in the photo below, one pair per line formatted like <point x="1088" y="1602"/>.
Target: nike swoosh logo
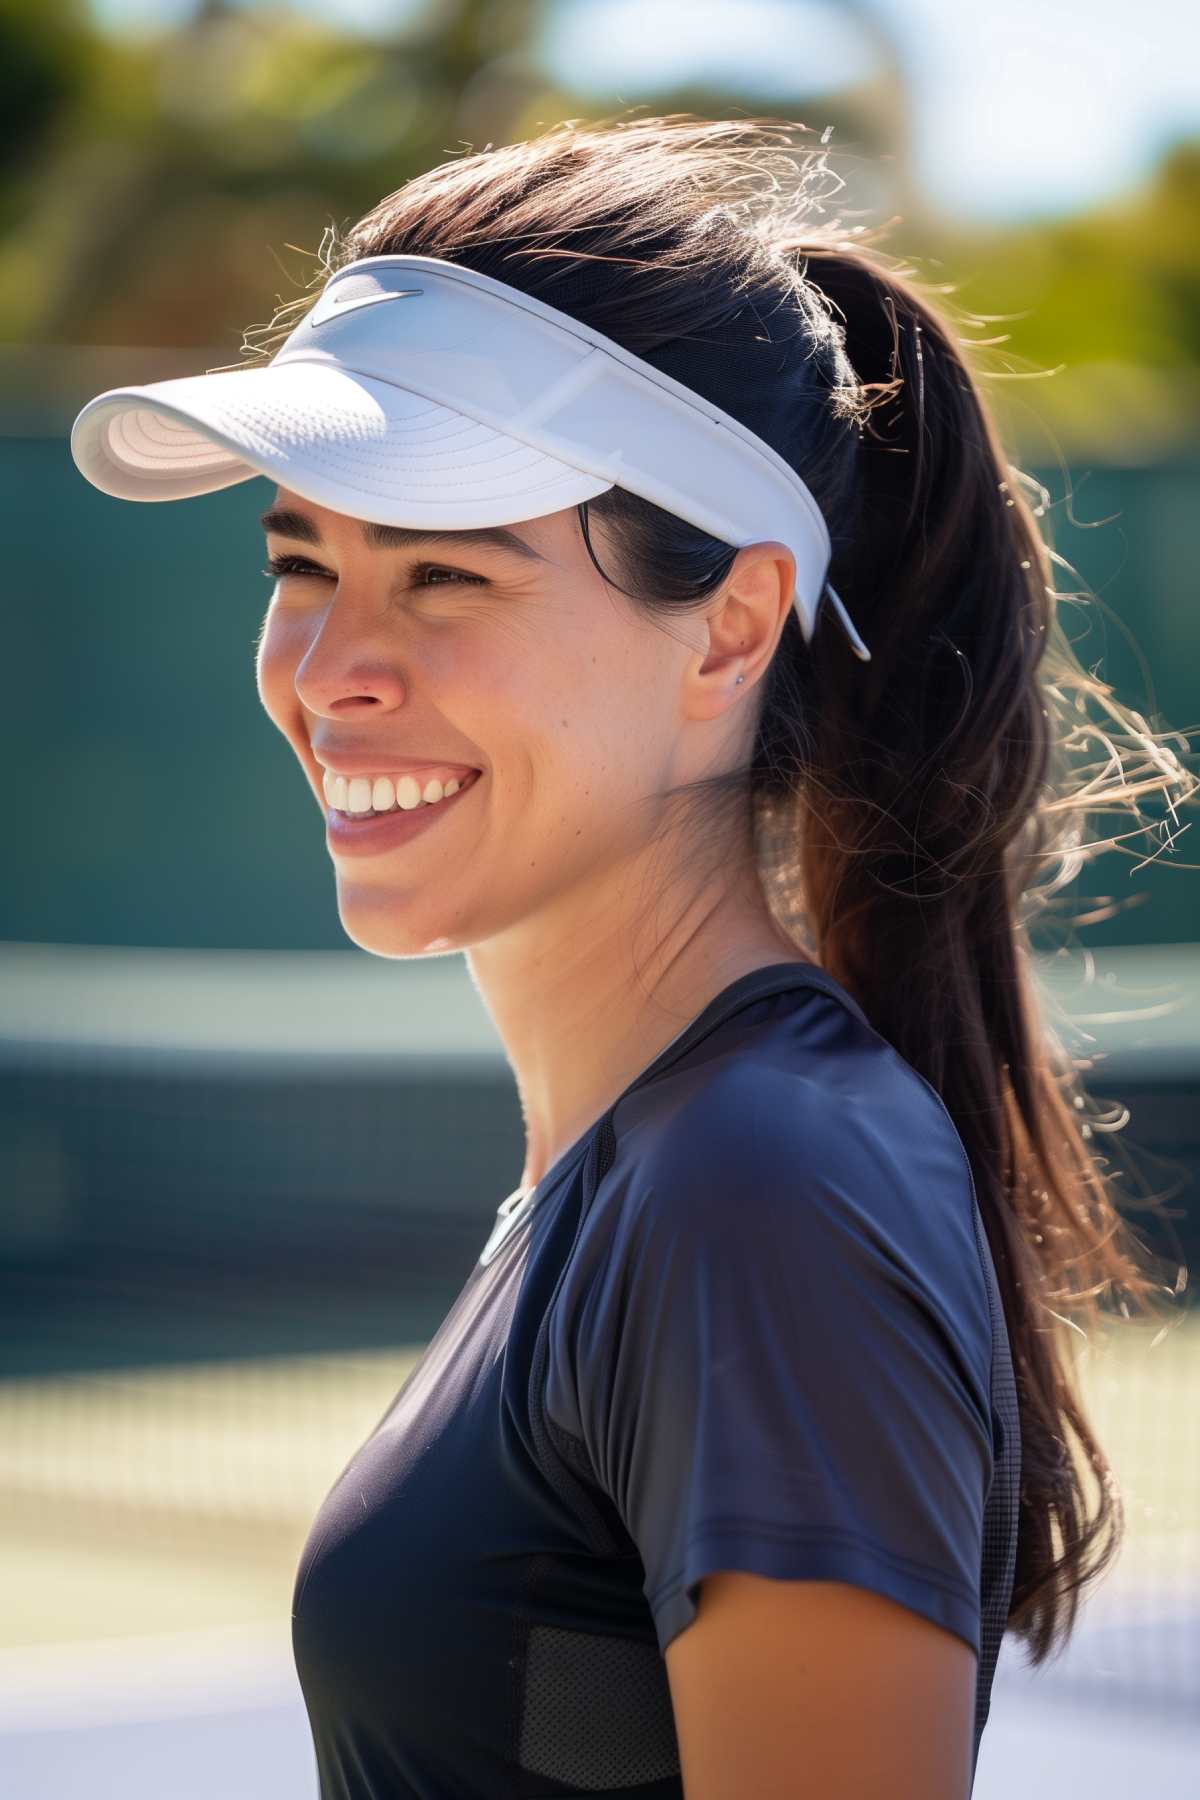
<point x="344" y="303"/>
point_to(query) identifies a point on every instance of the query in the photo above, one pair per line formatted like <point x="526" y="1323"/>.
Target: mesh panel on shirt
<point x="596" y="1711"/>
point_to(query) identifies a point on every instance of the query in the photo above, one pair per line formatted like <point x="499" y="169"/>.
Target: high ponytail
<point x="912" y="815"/>
<point x="937" y="799"/>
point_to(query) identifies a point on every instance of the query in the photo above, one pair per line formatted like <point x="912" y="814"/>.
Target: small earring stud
<point x="740" y="678"/>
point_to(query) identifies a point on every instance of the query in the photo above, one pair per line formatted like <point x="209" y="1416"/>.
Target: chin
<point x="381" y="929"/>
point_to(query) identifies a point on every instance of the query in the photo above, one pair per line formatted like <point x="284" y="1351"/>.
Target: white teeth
<point x="360" y="794"/>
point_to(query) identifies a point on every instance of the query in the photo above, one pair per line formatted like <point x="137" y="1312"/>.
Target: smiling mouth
<point x="405" y="795"/>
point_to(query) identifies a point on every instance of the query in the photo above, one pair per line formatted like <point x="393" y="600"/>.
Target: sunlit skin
<point x="818" y="1690"/>
<point x="591" y="944"/>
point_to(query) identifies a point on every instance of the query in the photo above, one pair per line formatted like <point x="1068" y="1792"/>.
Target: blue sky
<point x="1022" y="107"/>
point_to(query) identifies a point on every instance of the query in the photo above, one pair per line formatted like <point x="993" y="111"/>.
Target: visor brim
<point x="347" y="441"/>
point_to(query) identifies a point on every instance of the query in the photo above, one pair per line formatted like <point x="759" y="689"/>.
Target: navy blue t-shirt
<point x="749" y="1320"/>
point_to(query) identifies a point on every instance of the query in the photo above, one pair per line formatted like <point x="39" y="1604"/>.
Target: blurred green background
<point x="156" y="774"/>
<point x="155" y="181"/>
<point x="245" y="1167"/>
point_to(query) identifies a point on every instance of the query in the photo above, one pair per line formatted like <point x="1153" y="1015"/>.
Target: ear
<point x="744" y="621"/>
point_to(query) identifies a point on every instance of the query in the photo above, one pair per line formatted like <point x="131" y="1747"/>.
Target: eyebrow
<point x="289" y="523"/>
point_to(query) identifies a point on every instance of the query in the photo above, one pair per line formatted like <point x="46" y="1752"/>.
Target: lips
<point x="373" y="833"/>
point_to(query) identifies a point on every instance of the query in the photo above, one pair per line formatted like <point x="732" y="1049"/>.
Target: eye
<point x="294" y="565"/>
<point x="423" y="571"/>
<point x="280" y="565"/>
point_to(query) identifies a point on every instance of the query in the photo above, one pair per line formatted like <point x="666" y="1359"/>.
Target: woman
<point x="744" y="1441"/>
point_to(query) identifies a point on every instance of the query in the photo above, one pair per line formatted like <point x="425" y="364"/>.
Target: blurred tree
<point x="202" y="152"/>
<point x="1109" y="299"/>
<point x="198" y="152"/>
<point x="45" y="57"/>
<point x="151" y="186"/>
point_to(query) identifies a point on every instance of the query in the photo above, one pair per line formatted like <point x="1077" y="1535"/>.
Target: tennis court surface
<point x="152" y="1518"/>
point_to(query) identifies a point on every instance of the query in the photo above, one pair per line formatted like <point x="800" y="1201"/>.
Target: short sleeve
<point x="773" y="1349"/>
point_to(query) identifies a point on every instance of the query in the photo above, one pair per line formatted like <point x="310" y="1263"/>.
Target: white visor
<point x="465" y="403"/>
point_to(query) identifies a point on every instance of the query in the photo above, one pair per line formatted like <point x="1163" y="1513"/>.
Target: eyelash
<point x="300" y="565"/>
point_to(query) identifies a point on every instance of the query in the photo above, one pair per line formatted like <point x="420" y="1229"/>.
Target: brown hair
<point x="913" y="814"/>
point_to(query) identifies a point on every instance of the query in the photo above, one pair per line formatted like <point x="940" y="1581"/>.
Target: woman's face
<point x="429" y="658"/>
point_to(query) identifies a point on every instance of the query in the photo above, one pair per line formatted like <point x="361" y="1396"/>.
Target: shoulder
<point x="774" y="1339"/>
<point x="829" y="1113"/>
<point x="817" y="1170"/>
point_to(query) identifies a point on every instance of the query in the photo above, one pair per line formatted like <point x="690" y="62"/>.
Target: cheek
<point x="584" y="763"/>
<point x="280" y="648"/>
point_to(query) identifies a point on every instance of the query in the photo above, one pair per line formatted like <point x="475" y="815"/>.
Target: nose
<point x="343" y="672"/>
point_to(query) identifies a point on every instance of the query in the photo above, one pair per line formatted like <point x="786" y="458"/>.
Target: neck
<point x="583" y="1000"/>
